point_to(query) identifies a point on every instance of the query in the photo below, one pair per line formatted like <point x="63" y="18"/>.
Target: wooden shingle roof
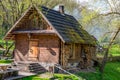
<point x="67" y="27"/>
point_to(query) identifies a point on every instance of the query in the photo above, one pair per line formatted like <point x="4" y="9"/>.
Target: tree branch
<point x="109" y="13"/>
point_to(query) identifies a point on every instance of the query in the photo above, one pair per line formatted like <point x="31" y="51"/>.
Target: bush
<point x="5" y="61"/>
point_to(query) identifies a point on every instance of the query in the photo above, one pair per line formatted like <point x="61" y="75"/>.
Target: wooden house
<point x="45" y="35"/>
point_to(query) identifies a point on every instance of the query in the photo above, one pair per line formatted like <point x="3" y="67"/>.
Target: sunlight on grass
<point x="5" y="61"/>
<point x="56" y="77"/>
<point x="112" y="72"/>
<point x="115" y="50"/>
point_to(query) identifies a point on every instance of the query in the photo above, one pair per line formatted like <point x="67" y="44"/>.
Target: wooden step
<point x="34" y="67"/>
<point x="38" y="71"/>
<point x="31" y="67"/>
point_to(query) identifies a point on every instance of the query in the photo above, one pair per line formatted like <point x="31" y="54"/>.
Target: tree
<point x="11" y="10"/>
<point x="114" y="11"/>
<point x="107" y="51"/>
<point x="112" y="17"/>
<point x="109" y="19"/>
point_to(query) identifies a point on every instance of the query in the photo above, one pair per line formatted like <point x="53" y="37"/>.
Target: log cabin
<point x="45" y="35"/>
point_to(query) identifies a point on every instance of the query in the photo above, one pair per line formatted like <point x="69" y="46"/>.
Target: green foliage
<point x="64" y="77"/>
<point x="6" y="44"/>
<point x="115" y="23"/>
<point x="115" y="50"/>
<point x="56" y="76"/>
<point x="87" y="16"/>
<point x="112" y="71"/>
<point x="11" y="10"/>
<point x="5" y="61"/>
<point x="33" y="78"/>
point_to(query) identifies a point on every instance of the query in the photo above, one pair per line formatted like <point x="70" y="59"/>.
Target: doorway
<point x="33" y="50"/>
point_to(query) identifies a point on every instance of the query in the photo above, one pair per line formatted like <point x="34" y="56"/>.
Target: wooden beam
<point x="34" y="31"/>
<point x="17" y="22"/>
<point x="12" y="37"/>
<point x="49" y="23"/>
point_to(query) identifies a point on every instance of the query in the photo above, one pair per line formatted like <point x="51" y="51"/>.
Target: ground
<point x="5" y="61"/>
<point x="115" y="50"/>
<point x="56" y="77"/>
<point x="112" y="69"/>
<point x="111" y="73"/>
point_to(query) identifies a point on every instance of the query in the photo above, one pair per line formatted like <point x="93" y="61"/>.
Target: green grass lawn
<point x="33" y="78"/>
<point x="115" y="50"/>
<point x="112" y="72"/>
<point x="5" y="61"/>
<point x="56" y="76"/>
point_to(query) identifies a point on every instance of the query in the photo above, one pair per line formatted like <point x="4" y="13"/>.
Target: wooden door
<point x="33" y="50"/>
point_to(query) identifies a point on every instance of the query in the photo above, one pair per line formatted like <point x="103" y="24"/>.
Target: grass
<point x="115" y="50"/>
<point x="56" y="76"/>
<point x="5" y="61"/>
<point x="63" y="77"/>
<point x="34" y="78"/>
<point x="111" y="72"/>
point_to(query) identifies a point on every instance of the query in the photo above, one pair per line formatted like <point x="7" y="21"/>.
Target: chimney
<point x="61" y="9"/>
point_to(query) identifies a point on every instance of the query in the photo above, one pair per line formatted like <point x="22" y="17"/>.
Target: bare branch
<point x="109" y="13"/>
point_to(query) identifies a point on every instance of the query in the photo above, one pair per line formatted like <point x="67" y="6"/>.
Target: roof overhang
<point x="10" y="36"/>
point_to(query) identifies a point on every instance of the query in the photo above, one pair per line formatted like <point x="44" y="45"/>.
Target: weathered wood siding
<point x="27" y="45"/>
<point x="33" y="21"/>
<point x="77" y="55"/>
<point x="21" y="47"/>
<point x="48" y="47"/>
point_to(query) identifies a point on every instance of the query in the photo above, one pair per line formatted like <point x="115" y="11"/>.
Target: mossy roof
<point x="67" y="27"/>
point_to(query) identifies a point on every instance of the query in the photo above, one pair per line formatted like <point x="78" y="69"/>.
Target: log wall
<point x="52" y="50"/>
<point x="73" y="55"/>
<point x="21" y="47"/>
<point x="48" y="47"/>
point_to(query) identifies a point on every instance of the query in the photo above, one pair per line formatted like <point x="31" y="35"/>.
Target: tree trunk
<point x="107" y="51"/>
<point x="8" y="49"/>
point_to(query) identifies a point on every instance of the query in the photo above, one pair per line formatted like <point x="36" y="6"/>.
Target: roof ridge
<point x="55" y="10"/>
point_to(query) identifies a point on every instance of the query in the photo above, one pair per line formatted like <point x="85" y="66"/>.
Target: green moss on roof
<point x="67" y="27"/>
<point x="74" y="36"/>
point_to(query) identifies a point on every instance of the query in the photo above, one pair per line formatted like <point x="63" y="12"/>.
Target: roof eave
<point x="4" y="38"/>
<point x="50" y="24"/>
